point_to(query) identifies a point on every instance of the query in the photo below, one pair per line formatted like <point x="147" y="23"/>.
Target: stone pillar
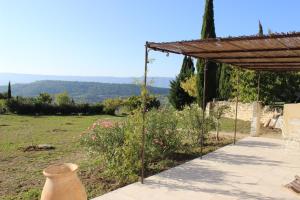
<point x="255" y="122"/>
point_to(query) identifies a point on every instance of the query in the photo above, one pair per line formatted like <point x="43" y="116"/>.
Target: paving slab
<point x="254" y="168"/>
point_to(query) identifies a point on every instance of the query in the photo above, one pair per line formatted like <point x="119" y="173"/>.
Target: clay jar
<point x="62" y="183"/>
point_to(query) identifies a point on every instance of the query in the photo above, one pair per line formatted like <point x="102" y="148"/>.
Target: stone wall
<point x="245" y="111"/>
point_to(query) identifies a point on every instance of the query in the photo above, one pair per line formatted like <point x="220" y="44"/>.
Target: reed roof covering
<point x="276" y="52"/>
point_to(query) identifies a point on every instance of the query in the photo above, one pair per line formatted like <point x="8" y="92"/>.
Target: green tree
<point x="45" y="98"/>
<point x="63" y="99"/>
<point x="208" y="31"/>
<point x="178" y="97"/>
<point x="260" y="29"/>
<point x="225" y="87"/>
<point x="9" y="91"/>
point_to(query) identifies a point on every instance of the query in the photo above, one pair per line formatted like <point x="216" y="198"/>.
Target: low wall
<point x="245" y="111"/>
<point x="291" y="121"/>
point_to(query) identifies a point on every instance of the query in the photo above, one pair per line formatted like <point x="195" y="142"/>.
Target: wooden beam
<point x="245" y="50"/>
<point x="260" y="62"/>
<point x="250" y="57"/>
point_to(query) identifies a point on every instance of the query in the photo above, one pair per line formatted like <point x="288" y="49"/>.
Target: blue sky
<point x="106" y="37"/>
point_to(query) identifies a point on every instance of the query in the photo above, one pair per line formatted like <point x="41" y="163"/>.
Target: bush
<point x="191" y="123"/>
<point x="111" y="105"/>
<point x="63" y="99"/>
<point x="119" y="145"/>
<point x="134" y="102"/>
<point x="3" y="107"/>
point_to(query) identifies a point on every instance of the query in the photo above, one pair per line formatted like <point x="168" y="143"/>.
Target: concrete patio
<point x="255" y="168"/>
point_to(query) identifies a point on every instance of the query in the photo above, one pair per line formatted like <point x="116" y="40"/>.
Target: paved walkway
<point x="255" y="168"/>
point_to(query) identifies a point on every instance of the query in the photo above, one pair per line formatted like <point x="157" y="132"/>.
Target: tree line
<point x="63" y="104"/>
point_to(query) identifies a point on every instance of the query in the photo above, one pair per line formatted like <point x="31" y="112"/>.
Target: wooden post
<point x="236" y="106"/>
<point x="203" y="108"/>
<point x="144" y="94"/>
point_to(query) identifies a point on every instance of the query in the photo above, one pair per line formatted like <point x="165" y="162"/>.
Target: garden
<point x="106" y="147"/>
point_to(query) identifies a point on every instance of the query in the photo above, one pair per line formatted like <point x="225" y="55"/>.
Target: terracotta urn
<point x="62" y="183"/>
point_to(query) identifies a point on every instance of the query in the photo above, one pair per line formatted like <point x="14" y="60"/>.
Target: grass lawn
<point x="21" y="172"/>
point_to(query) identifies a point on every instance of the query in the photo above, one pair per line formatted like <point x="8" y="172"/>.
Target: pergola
<point x="275" y="52"/>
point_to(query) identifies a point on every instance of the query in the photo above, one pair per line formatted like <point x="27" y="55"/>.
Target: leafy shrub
<point x="217" y="112"/>
<point x="63" y="99"/>
<point x="3" y="95"/>
<point x="119" y="145"/>
<point x="191" y="123"/>
<point x="135" y="102"/>
<point x="44" y="98"/>
<point x="111" y="105"/>
<point x="3" y="107"/>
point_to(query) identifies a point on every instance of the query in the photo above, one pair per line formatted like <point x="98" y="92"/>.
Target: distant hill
<point x="29" y="78"/>
<point x="81" y="91"/>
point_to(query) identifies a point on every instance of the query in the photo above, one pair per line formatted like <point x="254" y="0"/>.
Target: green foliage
<point x="178" y="97"/>
<point x="119" y="145"/>
<point x="190" y="86"/>
<point x="274" y="86"/>
<point x="162" y="137"/>
<point x="33" y="106"/>
<point x="225" y="87"/>
<point x="135" y="102"/>
<point x="208" y="25"/>
<point x="191" y="121"/>
<point x="212" y="73"/>
<point x="217" y="112"/>
<point x="3" y="95"/>
<point x="279" y="87"/>
<point x="44" y="98"/>
<point x="247" y="86"/>
<point x="111" y="105"/>
<point x="3" y="107"/>
<point x="63" y="99"/>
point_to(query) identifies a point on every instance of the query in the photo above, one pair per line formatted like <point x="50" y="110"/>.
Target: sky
<point x="107" y="37"/>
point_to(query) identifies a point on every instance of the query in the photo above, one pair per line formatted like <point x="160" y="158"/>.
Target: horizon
<point x="18" y="78"/>
<point x="75" y="38"/>
<point x="88" y="76"/>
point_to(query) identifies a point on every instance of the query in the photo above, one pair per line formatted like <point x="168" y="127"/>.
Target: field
<point x="21" y="172"/>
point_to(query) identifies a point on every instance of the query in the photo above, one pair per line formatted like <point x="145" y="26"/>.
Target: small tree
<point x="217" y="113"/>
<point x="45" y="98"/>
<point x="192" y="121"/>
<point x="63" y="99"/>
<point x="9" y="91"/>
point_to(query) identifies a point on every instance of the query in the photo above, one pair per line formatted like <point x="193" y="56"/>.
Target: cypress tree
<point x="178" y="97"/>
<point x="208" y="31"/>
<point x="225" y="87"/>
<point x="9" y="91"/>
<point x="260" y="29"/>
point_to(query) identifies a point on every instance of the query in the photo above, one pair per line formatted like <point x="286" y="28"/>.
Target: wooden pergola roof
<point x="276" y="52"/>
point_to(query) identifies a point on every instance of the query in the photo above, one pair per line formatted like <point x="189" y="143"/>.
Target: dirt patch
<point x="41" y="147"/>
<point x="57" y="130"/>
